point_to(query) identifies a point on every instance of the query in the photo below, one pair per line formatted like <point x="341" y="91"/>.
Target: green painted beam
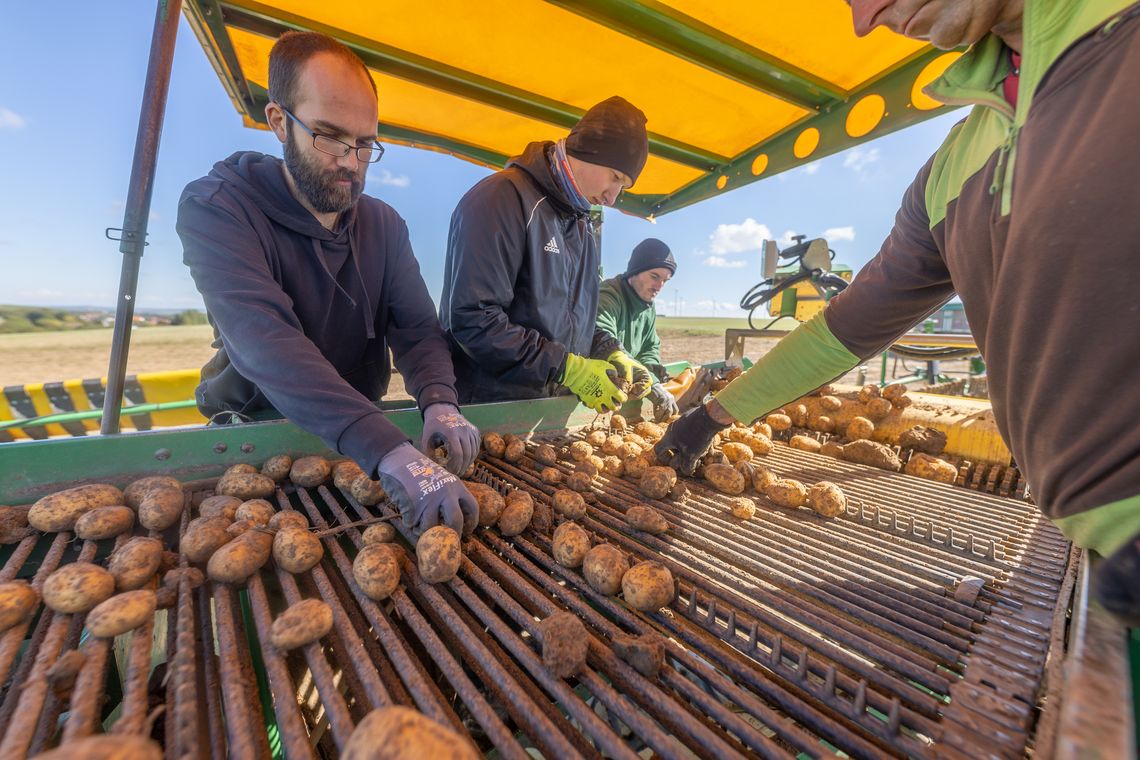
<point x="205" y="19"/>
<point x="445" y="78"/>
<point x="685" y="37"/>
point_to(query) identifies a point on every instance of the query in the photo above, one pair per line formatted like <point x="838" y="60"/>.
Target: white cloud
<point x="11" y="120"/>
<point x="388" y="178"/>
<point x="839" y="233"/>
<point x="749" y="235"/>
<point x="811" y="168"/>
<point x="722" y="263"/>
<point x="786" y="239"/>
<point x="858" y="159"/>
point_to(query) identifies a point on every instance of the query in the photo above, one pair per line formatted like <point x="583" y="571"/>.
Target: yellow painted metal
<point x="808" y="301"/>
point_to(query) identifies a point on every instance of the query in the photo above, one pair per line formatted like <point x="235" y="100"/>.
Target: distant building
<point x="951" y="318"/>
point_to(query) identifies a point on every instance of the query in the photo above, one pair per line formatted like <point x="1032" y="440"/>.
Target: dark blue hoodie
<point x="303" y="316"/>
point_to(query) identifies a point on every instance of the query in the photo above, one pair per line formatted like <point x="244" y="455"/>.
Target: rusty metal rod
<point x="239" y="718"/>
<point x="87" y="697"/>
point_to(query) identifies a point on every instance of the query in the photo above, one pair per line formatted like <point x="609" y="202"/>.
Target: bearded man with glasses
<point x="308" y="283"/>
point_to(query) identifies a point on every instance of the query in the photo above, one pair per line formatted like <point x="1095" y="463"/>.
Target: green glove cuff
<point x="1104" y="529"/>
<point x="807" y="358"/>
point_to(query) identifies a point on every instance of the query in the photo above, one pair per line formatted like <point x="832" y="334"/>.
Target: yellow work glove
<point x="633" y="372"/>
<point x="593" y="381"/>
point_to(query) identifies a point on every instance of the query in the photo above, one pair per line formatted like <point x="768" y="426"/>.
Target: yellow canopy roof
<point x="733" y="91"/>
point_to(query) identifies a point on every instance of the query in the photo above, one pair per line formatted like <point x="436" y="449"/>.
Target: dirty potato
<point x="824" y="424"/>
<point x="877" y="409"/>
<point x="77" y="587"/>
<point x="830" y="403"/>
<point x="494" y="444"/>
<point x="762" y="477"/>
<point x="310" y="472"/>
<point x="134" y="493"/>
<point x="376" y="571"/>
<point x="239" y="559"/>
<point x="257" y="511"/>
<point x="121" y="613"/>
<point x="603" y="567"/>
<point x="239" y="469"/>
<point x="613" y="466"/>
<point x="438" y="554"/>
<point x="903" y="401"/>
<point x="804" y="443"/>
<point x="161" y="507"/>
<point x="489" y="500"/>
<point x="868" y="392"/>
<point x="571" y="542"/>
<point x="644" y="653"/>
<point x="596" y="437"/>
<point x="826" y="499"/>
<point x="589" y="467"/>
<point x="648" y="586"/>
<point x="381" y="533"/>
<point x="104" y="522"/>
<point x="618" y="424"/>
<point x="860" y="428"/>
<point x="344" y="472"/>
<point x="778" y="421"/>
<point x="932" y="468"/>
<point x="759" y="444"/>
<point x="516" y="514"/>
<point x="787" y="492"/>
<point x="629" y="450"/>
<point x="134" y="563"/>
<point x="647" y="519"/>
<point x="657" y="482"/>
<point x="565" y="644"/>
<point x="204" y="538"/>
<point x="18" y="600"/>
<point x="514" y="451"/>
<point x="296" y="550"/>
<point x="569" y="504"/>
<point x="871" y="453"/>
<point x="367" y="491"/>
<point x="246" y="485"/>
<point x="288" y="518"/>
<point x="302" y="623"/>
<point x="545" y="454"/>
<point x="225" y="506"/>
<point x="893" y="391"/>
<point x="612" y="445"/>
<point x="925" y="439"/>
<point x="396" y="733"/>
<point x="552" y="476"/>
<point x="14" y="524"/>
<point x="832" y="448"/>
<point x="798" y="414"/>
<point x="277" y="467"/>
<point x="578" y="481"/>
<point x="737" y="452"/>
<point x="238" y="527"/>
<point x="742" y="507"/>
<point x="59" y="511"/>
<point x="725" y="479"/>
<point x="543" y="519"/>
<point x="580" y="451"/>
<point x="650" y="431"/>
<point x="635" y="466"/>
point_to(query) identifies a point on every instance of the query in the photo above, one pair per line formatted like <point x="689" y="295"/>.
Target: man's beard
<point x="318" y="186"/>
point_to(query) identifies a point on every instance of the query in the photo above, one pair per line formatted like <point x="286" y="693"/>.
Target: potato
<point x="636" y="440"/>
<point x="296" y="550"/>
<point x="514" y="451"/>
<point x="804" y="443"/>
<point x="877" y="409"/>
<point x="603" y="567"/>
<point x="104" y="522"/>
<point x="737" y="452"/>
<point x="650" y="431"/>
<point x="376" y="570"/>
<point x="77" y="587"/>
<point x="344" y="472"/>
<point x="302" y="623"/>
<point x="438" y="554"/>
<point x="874" y="454"/>
<point x="220" y="506"/>
<point x="257" y="511"/>
<point x="366" y="491"/>
<point x="612" y="445"/>
<point x="239" y="559"/>
<point x="201" y="541"/>
<point x="565" y="644"/>
<point x="646" y="519"/>
<point x="762" y="477"/>
<point x="787" y="492"/>
<point x="516" y="514"/>
<point x="489" y="500"/>
<point x="508" y="437"/>
<point x="657" y="482"/>
<point x="635" y="466"/>
<point x="134" y="563"/>
<point x="543" y="519"/>
<point x="824" y="424"/>
<point x="648" y="586"/>
<point x="618" y="424"/>
<point x="832" y="448"/>
<point x="902" y="402"/>
<point x="121" y="613"/>
<point x="106" y="747"/>
<point x="725" y="479"/>
<point x="589" y="468"/>
<point x="893" y="391"/>
<point x="569" y="504"/>
<point x="238" y="527"/>
<point x="932" y="468"/>
<point x="161" y="507"/>
<point x="759" y="444"/>
<point x="762" y="429"/>
<point x="571" y="542"/>
<point x="551" y="475"/>
<point x="240" y="469"/>
<point x="924" y="439"/>
<point x="277" y="467"/>
<point x="494" y="444"/>
<point x="742" y="507"/>
<point x="545" y="454"/>
<point x="613" y="466"/>
<point x="868" y="392"/>
<point x="860" y="428"/>
<point x="644" y="653"/>
<point x="18" y="600"/>
<point x="830" y="403"/>
<point x="59" y="511"/>
<point x="380" y="533"/>
<point x="134" y="493"/>
<point x="14" y="524"/>
<point x="630" y="450"/>
<point x="578" y="481"/>
<point x="397" y="733"/>
<point x="596" y="437"/>
<point x="778" y="421"/>
<point x="173" y="578"/>
<point x="246" y="485"/>
<point x="288" y="518"/>
<point x="679" y="492"/>
<point x="310" y="472"/>
<point x="826" y="499"/>
<point x="798" y="414"/>
<point x="580" y="451"/>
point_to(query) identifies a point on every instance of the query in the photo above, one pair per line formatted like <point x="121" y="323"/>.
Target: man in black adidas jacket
<point x="520" y="291"/>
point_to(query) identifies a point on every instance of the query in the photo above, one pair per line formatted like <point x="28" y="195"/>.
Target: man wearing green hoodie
<point x="1026" y="211"/>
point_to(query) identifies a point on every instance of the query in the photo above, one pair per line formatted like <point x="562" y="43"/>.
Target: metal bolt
<point x="162" y="455"/>
<point x="246" y="448"/>
<point x="220" y="448"/>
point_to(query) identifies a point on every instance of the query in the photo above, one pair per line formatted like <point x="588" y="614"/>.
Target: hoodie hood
<point x="535" y="162"/>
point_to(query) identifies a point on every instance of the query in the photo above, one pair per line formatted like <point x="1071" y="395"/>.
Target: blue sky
<point x="69" y="101"/>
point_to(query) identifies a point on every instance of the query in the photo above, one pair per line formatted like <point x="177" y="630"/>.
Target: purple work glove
<point x="426" y="493"/>
<point x="445" y="426"/>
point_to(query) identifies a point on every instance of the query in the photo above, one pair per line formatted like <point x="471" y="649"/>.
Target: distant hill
<point x="23" y="319"/>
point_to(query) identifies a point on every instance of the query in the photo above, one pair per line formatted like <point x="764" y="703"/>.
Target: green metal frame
<point x="646" y="20"/>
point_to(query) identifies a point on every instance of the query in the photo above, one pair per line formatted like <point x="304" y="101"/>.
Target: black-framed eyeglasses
<point x="368" y="154"/>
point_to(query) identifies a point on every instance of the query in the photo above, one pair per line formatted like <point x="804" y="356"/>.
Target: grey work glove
<point x="445" y="426"/>
<point x="687" y="440"/>
<point x="426" y="493"/>
<point x="664" y="405"/>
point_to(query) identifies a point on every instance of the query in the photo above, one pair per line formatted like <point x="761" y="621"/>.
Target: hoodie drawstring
<point x="368" y="316"/>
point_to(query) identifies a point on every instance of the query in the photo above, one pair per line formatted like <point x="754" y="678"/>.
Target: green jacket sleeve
<point x="651" y="349"/>
<point x="807" y="358"/>
<point x="609" y="311"/>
